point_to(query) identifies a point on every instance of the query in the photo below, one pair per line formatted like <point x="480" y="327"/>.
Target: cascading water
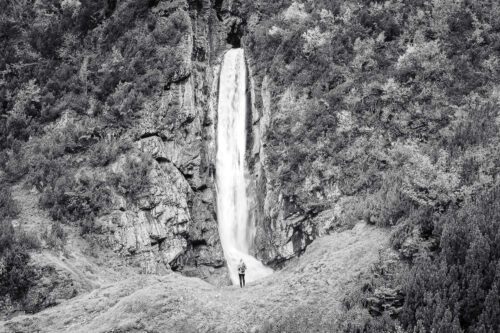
<point x="235" y="231"/>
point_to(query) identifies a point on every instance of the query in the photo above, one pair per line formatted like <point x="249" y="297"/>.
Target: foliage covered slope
<point x="395" y="103"/>
<point x="96" y="62"/>
<point x="73" y="77"/>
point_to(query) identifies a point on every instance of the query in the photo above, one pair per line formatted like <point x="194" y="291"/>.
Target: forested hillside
<point x="396" y="103"/>
<point x="391" y="106"/>
<point x="76" y="78"/>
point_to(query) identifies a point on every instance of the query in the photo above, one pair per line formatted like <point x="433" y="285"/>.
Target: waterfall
<point x="236" y="233"/>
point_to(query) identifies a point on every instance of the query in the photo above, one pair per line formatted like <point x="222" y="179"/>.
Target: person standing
<point x="241" y="272"/>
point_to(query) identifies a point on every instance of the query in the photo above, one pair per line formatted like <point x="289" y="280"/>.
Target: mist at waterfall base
<point x="235" y="231"/>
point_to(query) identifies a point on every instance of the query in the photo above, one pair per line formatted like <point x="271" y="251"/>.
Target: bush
<point x="358" y="319"/>
<point x="44" y="172"/>
<point x="107" y="151"/>
<point x="28" y="239"/>
<point x="54" y="235"/>
<point x="123" y="105"/>
<point x="71" y="200"/>
<point x="8" y="207"/>
<point x="386" y="207"/>
<point x="7" y="235"/>
<point x="45" y="159"/>
<point x="15" y="167"/>
<point x="15" y="272"/>
<point x="16" y="275"/>
<point x="171" y="29"/>
<point x="41" y="159"/>
<point x="134" y="176"/>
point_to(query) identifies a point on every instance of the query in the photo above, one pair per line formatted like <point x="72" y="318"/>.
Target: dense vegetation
<point x="383" y="91"/>
<point x="458" y="290"/>
<point x="75" y="75"/>
<point x="395" y="103"/>
<point x="16" y="275"/>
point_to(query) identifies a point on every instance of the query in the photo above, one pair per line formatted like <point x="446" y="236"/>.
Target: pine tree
<point x="490" y="317"/>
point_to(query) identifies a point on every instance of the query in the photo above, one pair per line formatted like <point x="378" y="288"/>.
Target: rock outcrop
<point x="386" y="300"/>
<point x="150" y="229"/>
<point x="284" y="228"/>
<point x="172" y="222"/>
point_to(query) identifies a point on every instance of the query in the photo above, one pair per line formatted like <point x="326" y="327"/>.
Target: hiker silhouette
<point x="241" y="272"/>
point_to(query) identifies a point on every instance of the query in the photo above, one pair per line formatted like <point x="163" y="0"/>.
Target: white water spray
<point x="232" y="210"/>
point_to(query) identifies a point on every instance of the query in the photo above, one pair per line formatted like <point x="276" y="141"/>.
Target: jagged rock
<point x="414" y="244"/>
<point x="154" y="146"/>
<point x="386" y="299"/>
<point x="171" y="223"/>
<point x="153" y="228"/>
<point x="284" y="229"/>
<point x="185" y="51"/>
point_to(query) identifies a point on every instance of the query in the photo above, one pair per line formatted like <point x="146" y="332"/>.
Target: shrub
<point x="44" y="172"/>
<point x="7" y="235"/>
<point x="107" y="151"/>
<point x="28" y="239"/>
<point x="16" y="275"/>
<point x="358" y="319"/>
<point x="123" y="19"/>
<point x="15" y="272"/>
<point x="123" y="105"/>
<point x="15" y="166"/>
<point x="54" y="235"/>
<point x="386" y="206"/>
<point x="170" y="30"/>
<point x="8" y="207"/>
<point x="71" y="200"/>
<point x="25" y="107"/>
<point x="44" y="159"/>
<point x="134" y="176"/>
<point x="4" y="157"/>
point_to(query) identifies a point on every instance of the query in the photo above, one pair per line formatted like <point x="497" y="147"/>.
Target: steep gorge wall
<point x="173" y="223"/>
<point x="284" y="228"/>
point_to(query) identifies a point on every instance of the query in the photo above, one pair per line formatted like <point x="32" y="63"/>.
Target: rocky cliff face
<point x="172" y="224"/>
<point x="284" y="228"/>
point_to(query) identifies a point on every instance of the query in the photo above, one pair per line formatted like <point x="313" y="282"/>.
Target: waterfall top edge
<point x="235" y="50"/>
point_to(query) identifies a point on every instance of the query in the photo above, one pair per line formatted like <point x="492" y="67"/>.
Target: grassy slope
<point x="306" y="294"/>
<point x="70" y="267"/>
<point x="76" y="258"/>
